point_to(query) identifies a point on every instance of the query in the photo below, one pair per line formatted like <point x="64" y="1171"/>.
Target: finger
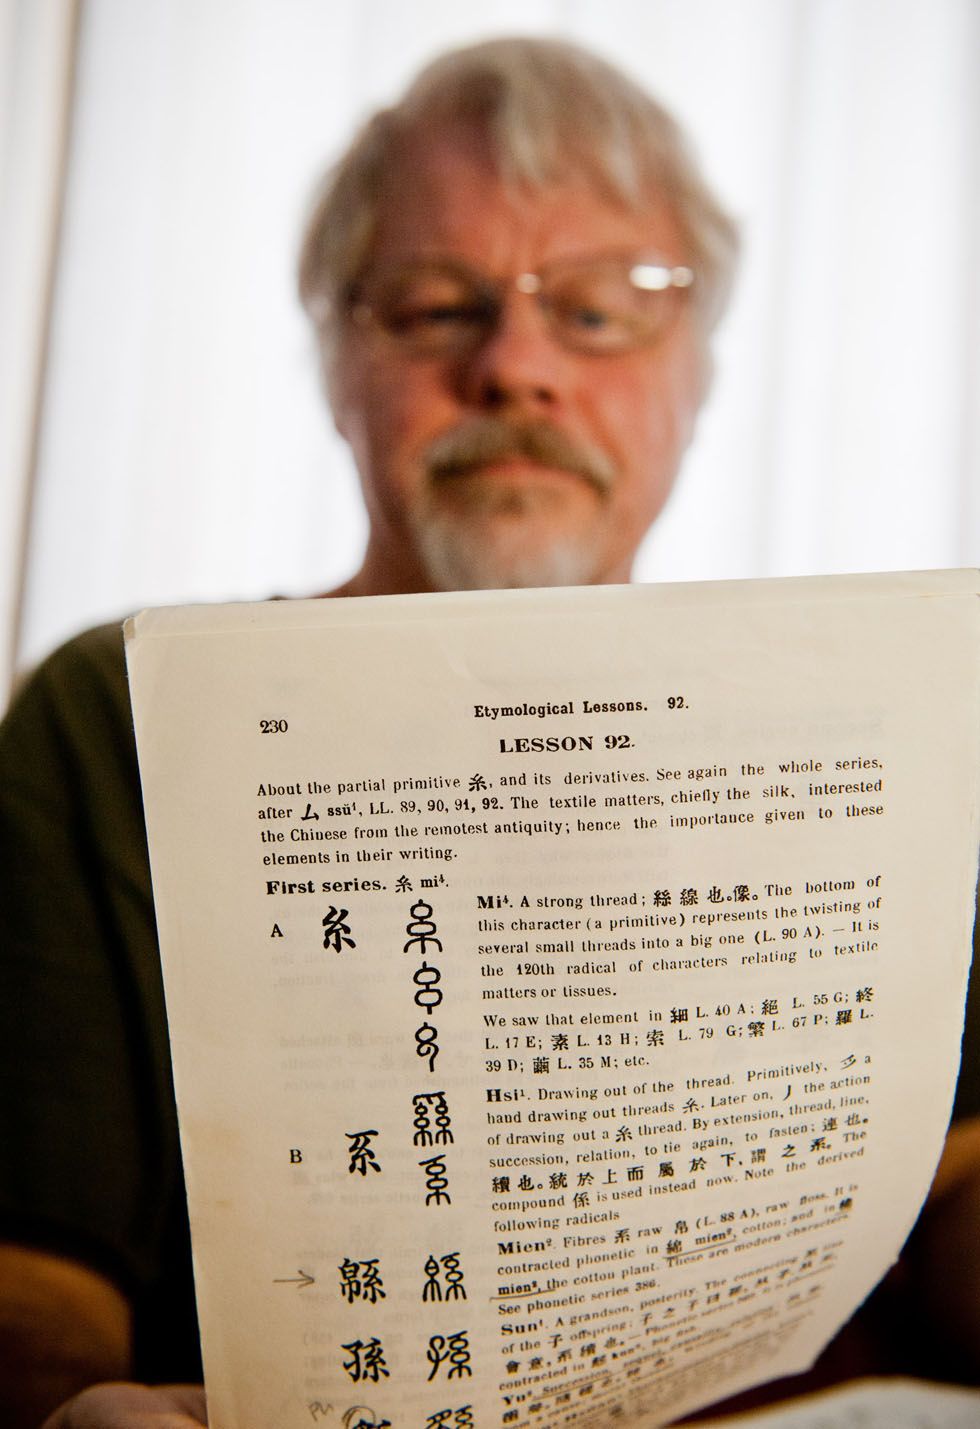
<point x="132" y="1406"/>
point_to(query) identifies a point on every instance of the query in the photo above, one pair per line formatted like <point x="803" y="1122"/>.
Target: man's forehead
<point x="446" y="195"/>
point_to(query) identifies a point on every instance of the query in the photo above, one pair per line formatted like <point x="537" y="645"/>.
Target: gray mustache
<point x="487" y="439"/>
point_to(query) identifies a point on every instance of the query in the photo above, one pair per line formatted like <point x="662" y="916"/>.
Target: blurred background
<point x="162" y="433"/>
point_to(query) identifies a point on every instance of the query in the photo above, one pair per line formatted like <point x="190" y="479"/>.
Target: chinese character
<point x="449" y="1265"/>
<point x="424" y="1103"/>
<point x="455" y="1349"/>
<point x="336" y="932"/>
<point x="426" y="1045"/>
<point x="360" y="1279"/>
<point x="421" y="930"/>
<point x="361" y="1154"/>
<point x="436" y="1182"/>
<point x="360" y="1417"/>
<point x="367" y="1361"/>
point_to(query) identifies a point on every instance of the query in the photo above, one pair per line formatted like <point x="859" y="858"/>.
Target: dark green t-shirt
<point x="90" y="1165"/>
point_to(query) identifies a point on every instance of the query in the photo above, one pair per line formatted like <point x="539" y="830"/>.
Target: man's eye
<point x="411" y="318"/>
<point x="438" y="313"/>
<point x="587" y="318"/>
<point x="591" y="319"/>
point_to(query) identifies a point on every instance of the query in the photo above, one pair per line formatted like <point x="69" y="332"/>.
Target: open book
<point x="565" y="988"/>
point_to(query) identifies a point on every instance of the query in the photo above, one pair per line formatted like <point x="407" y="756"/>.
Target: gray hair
<point x="549" y="110"/>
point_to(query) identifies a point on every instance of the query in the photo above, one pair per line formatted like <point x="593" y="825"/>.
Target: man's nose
<point x="517" y="363"/>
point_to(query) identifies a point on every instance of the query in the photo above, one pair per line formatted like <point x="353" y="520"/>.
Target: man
<point x="514" y="275"/>
<point x="472" y="309"/>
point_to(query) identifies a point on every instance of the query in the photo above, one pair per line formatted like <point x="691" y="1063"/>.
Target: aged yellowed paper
<point x="565" y="988"/>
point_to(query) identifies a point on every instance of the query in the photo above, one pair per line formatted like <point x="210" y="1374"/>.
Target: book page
<point x="565" y="988"/>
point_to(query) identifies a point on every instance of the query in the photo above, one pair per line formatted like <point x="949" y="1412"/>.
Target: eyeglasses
<point x="596" y="304"/>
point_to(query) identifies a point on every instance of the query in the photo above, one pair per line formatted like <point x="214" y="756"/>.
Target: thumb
<point x="133" y="1406"/>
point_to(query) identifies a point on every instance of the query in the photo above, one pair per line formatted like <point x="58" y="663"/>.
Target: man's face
<point x="571" y="503"/>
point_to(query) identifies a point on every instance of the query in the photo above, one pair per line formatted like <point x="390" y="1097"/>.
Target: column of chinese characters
<point x="426" y="1106"/>
<point x="360" y="1280"/>
<point x="421" y="936"/>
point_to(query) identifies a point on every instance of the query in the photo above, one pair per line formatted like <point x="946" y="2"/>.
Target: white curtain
<point x="184" y="452"/>
<point x="37" y="45"/>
